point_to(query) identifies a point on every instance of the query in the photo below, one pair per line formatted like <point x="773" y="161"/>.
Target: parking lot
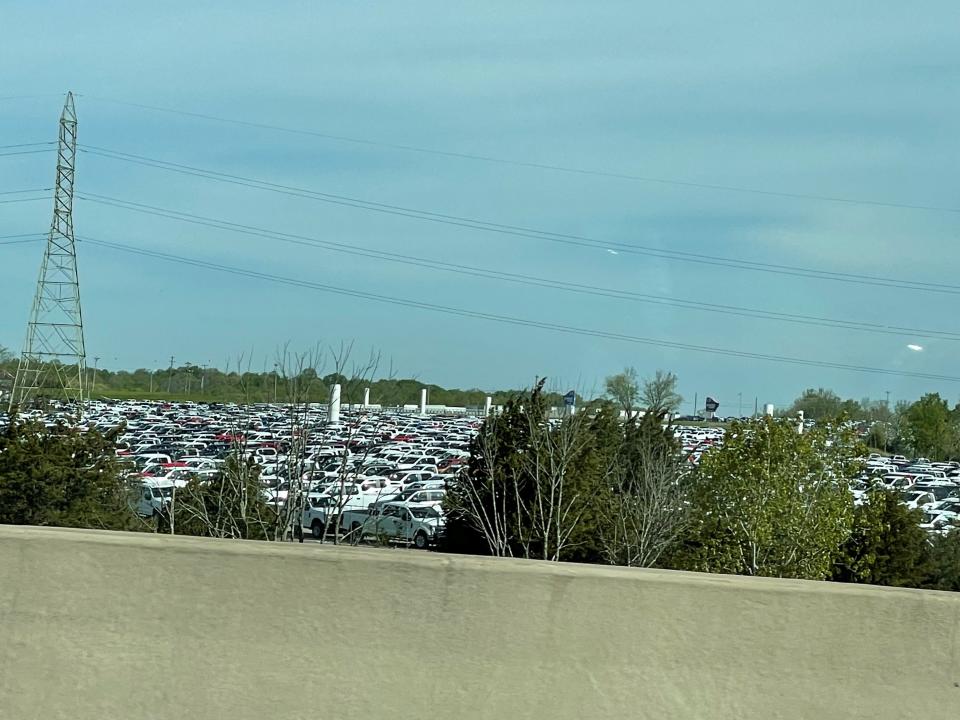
<point x="383" y="473"/>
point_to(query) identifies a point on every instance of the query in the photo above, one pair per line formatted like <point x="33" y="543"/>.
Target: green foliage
<point x="945" y="563"/>
<point x="532" y="487"/>
<point x="771" y="501"/>
<point x="887" y="546"/>
<point x="587" y="488"/>
<point x="193" y="383"/>
<point x="63" y="477"/>
<point x="823" y="404"/>
<point x="930" y="429"/>
<point x="643" y="507"/>
<point x="624" y="389"/>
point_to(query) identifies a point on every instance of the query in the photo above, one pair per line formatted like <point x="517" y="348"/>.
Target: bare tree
<point x="659" y="393"/>
<point x="352" y="384"/>
<point x="485" y="500"/>
<point x="550" y="514"/>
<point x="646" y="508"/>
<point x="522" y="493"/>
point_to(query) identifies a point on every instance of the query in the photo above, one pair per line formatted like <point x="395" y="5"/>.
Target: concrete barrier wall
<point x="105" y="626"/>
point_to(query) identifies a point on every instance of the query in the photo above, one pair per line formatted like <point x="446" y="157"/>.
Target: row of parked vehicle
<point x="932" y="487"/>
<point x="384" y="475"/>
<point x="372" y="475"/>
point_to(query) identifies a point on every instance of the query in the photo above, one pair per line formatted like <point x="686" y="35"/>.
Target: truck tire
<point x="317" y="528"/>
<point x="420" y="540"/>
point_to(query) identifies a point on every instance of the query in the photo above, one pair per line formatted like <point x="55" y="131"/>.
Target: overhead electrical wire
<point x="21" y="242"/>
<point x="27" y="152"/>
<point x="526" y="232"/>
<point x="23" y="145"/>
<point x="19" y="192"/>
<point x="503" y="319"/>
<point x="21" y="200"/>
<point x="516" y="278"/>
<point x="532" y="165"/>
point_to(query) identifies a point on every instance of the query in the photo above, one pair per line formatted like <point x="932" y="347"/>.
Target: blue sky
<point x="855" y="101"/>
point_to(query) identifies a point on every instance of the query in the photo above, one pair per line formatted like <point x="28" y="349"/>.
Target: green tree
<point x="887" y="545"/>
<point x="771" y="501"/>
<point x="63" y="477"/>
<point x="531" y="484"/>
<point x="660" y="394"/>
<point x="643" y="506"/>
<point x="624" y="389"/>
<point x="821" y="404"/>
<point x="944" y="567"/>
<point x="930" y="428"/>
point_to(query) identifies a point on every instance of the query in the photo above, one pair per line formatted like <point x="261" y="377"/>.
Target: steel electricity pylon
<point x="53" y="361"/>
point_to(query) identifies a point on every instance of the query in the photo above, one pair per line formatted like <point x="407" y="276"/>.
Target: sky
<point x="852" y="101"/>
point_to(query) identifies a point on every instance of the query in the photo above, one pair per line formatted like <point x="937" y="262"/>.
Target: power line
<point x="21" y="200"/>
<point x="460" y="312"/>
<point x="30" y="97"/>
<point x="532" y="165"/>
<point x="27" y="152"/>
<point x="517" y="278"/>
<point x="18" y="192"/>
<point x="562" y="238"/>
<point x="23" y="145"/>
<point x="20" y="242"/>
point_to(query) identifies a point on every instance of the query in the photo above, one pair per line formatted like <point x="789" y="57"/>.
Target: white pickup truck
<point x="332" y="503"/>
<point x="396" y="522"/>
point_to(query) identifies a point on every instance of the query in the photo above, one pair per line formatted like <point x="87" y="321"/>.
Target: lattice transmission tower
<point x="53" y="361"/>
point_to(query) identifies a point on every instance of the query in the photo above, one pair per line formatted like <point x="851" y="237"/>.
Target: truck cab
<point x="153" y="496"/>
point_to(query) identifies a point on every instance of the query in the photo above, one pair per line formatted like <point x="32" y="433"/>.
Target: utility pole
<point x="93" y="385"/>
<point x="275" y="366"/>
<point x="740" y="404"/>
<point x="203" y="377"/>
<point x="170" y="377"/>
<point x="888" y="399"/>
<point x="54" y="355"/>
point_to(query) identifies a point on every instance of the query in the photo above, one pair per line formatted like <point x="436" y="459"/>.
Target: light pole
<point x="203" y="377"/>
<point x="740" y="404"/>
<point x="93" y="386"/>
<point x="275" y="366"/>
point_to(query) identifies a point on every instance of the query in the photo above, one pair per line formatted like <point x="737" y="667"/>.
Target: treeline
<point x="770" y="502"/>
<point x="207" y="384"/>
<point x="927" y="427"/>
<point x="588" y="488"/>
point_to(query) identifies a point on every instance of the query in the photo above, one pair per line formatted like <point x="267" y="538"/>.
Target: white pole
<point x="423" y="401"/>
<point x="334" y="415"/>
<point x="366" y="397"/>
<point x="487" y="404"/>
